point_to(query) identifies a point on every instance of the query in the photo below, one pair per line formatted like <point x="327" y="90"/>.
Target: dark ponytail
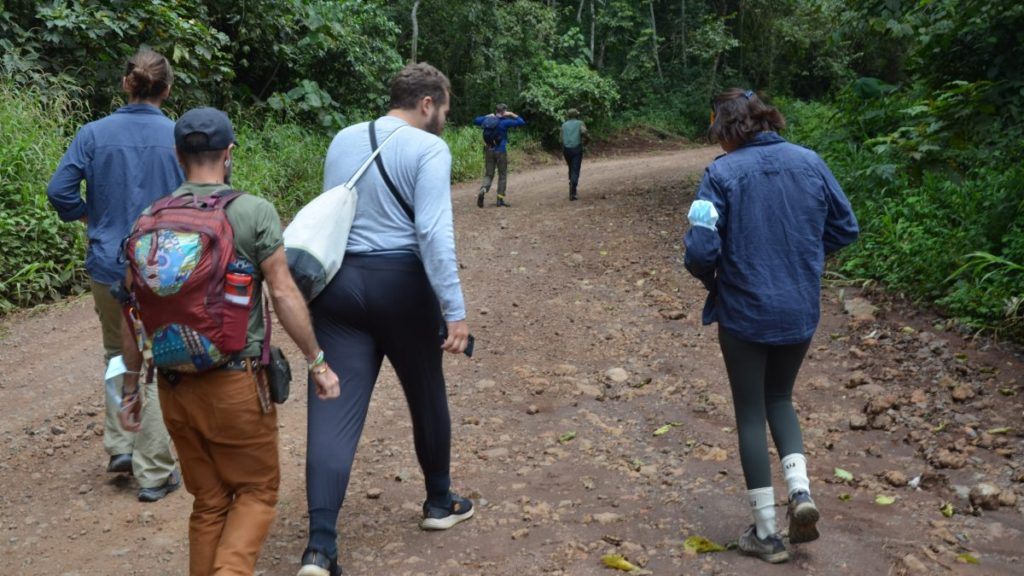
<point x="148" y="75"/>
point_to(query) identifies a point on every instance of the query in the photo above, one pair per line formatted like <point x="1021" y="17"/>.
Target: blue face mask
<point x="703" y="213"/>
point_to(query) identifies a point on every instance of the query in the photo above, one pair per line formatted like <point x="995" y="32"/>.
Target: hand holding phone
<point x="450" y="344"/>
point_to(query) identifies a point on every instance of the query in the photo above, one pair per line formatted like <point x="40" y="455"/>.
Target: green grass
<point x="42" y="256"/>
<point x="283" y="163"/>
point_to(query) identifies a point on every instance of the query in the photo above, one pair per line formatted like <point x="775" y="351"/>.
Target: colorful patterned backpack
<point x="190" y="295"/>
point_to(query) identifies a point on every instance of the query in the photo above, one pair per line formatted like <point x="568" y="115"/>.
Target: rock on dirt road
<point x="588" y="343"/>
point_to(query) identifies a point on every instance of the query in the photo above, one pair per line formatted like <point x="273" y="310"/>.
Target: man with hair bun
<point x="767" y="214"/>
<point x="127" y="162"/>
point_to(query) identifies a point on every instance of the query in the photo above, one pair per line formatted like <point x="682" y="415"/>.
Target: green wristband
<point x="316" y="361"/>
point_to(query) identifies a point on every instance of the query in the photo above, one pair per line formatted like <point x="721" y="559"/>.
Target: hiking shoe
<point x="803" y="515"/>
<point x="120" y="464"/>
<point x="770" y="549"/>
<point x="172" y="483"/>
<point x="316" y="563"/>
<point x="443" y="518"/>
<point x="480" y="199"/>
<point x="503" y="204"/>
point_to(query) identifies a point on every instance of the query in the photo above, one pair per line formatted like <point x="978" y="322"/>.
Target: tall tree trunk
<point x="579" y="12"/>
<point x="415" y="30"/>
<point x="714" y="74"/>
<point x="682" y="31"/>
<point x="654" y="42"/>
<point x="741" y="36"/>
<point x="593" y="20"/>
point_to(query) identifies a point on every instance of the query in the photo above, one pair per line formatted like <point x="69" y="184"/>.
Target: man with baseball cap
<point x="221" y="421"/>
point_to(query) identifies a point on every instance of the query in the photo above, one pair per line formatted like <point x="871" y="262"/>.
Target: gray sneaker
<point x="172" y="483"/>
<point x="803" y="517"/>
<point x="770" y="549"/>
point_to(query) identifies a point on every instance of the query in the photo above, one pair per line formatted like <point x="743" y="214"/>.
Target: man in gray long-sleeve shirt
<point x="397" y="295"/>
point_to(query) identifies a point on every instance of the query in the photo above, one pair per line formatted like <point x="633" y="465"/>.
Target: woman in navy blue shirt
<point x="766" y="215"/>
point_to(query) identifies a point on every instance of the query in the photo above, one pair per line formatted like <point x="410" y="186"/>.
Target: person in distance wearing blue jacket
<point x="495" y="127"/>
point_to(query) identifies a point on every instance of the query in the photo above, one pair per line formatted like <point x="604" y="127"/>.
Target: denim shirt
<point x="127" y="161"/>
<point x="503" y="127"/>
<point x="781" y="211"/>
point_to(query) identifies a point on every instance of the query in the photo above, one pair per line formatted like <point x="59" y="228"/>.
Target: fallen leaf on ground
<point x="702" y="545"/>
<point x="948" y="510"/>
<point x="884" y="500"/>
<point x="845" y="497"/>
<point x="619" y="563"/>
<point x="665" y="429"/>
<point x="967" y="559"/>
<point x="567" y="437"/>
<point x="1000" y="430"/>
<point x="843" y="475"/>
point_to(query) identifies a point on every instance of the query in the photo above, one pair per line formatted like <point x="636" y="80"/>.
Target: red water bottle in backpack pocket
<point x="238" y="298"/>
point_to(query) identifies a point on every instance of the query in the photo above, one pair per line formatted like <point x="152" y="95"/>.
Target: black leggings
<point x="761" y="377"/>
<point x="376" y="306"/>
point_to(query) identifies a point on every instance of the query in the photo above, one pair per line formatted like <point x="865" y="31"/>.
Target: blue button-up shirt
<point x="127" y="161"/>
<point x="503" y="127"/>
<point x="780" y="212"/>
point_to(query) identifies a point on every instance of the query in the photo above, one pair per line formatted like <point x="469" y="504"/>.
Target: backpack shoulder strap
<point x="384" y="174"/>
<point x="224" y="197"/>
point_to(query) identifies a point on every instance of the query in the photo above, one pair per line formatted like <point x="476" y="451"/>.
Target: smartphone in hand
<point x="470" y="341"/>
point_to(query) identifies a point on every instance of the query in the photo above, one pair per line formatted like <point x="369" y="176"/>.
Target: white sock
<point x="762" y="504"/>
<point x="794" y="470"/>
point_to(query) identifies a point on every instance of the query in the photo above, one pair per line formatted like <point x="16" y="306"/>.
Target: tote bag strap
<point x="384" y="173"/>
<point x="373" y="142"/>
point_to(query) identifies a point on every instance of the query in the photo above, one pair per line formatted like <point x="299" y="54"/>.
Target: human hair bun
<point x="148" y="75"/>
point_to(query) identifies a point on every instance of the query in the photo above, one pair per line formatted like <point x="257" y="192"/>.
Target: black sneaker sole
<point x="803" y="523"/>
<point x="480" y="200"/>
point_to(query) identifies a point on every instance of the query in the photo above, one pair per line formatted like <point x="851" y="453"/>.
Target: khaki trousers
<point x="492" y="160"/>
<point x="150" y="447"/>
<point x="228" y="452"/>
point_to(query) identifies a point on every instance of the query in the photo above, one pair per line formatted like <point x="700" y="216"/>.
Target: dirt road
<point x="588" y="341"/>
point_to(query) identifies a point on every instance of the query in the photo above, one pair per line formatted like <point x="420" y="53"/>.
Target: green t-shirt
<point x="572" y="133"/>
<point x="257" y="230"/>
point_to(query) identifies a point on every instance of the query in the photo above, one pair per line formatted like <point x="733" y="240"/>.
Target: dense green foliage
<point x="935" y="164"/>
<point x="40" y="257"/>
<point x="917" y="104"/>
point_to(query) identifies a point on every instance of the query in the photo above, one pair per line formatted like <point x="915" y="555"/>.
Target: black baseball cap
<point x="210" y="122"/>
